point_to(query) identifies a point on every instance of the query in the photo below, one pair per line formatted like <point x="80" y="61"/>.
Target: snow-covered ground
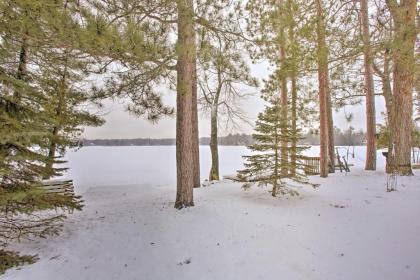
<point x="348" y="228"/>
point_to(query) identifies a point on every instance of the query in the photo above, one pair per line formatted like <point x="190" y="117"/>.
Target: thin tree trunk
<point x="276" y="165"/>
<point x="385" y="77"/>
<point x="56" y="129"/>
<point x="214" y="145"/>
<point x="196" y="140"/>
<point x="185" y="94"/>
<point x="389" y="104"/>
<point x="284" y="130"/>
<point x="293" y="156"/>
<point x="59" y="111"/>
<point x="51" y="153"/>
<point x="293" y="78"/>
<point x="404" y="15"/>
<point x="331" y="142"/>
<point x="283" y="99"/>
<point x="369" y="89"/>
<point x="22" y="61"/>
<point x="214" y="171"/>
<point x="21" y="71"/>
<point x="323" y="87"/>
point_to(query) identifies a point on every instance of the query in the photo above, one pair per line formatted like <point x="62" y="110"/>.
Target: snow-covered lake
<point x="348" y="228"/>
<point x="155" y="165"/>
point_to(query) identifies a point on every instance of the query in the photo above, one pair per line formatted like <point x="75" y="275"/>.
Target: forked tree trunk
<point x="369" y="89"/>
<point x="404" y="15"/>
<point x="322" y="53"/>
<point x="185" y="94"/>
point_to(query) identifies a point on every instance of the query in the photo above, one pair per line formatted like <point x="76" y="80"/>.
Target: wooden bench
<point x="312" y="164"/>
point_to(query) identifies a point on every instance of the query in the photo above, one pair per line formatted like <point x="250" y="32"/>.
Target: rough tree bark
<point x="186" y="50"/>
<point x="369" y="89"/>
<point x="322" y="54"/>
<point x="331" y="142"/>
<point x="404" y="15"/>
<point x="389" y="104"/>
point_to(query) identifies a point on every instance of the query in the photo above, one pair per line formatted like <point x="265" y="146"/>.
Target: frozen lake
<point x="155" y="165"/>
<point x="348" y="228"/>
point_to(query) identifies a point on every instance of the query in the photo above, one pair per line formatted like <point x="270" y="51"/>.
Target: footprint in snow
<point x="186" y="261"/>
<point x="55" y="257"/>
<point x="337" y="206"/>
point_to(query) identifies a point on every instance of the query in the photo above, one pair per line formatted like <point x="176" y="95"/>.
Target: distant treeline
<point x="342" y="138"/>
<point x="348" y="137"/>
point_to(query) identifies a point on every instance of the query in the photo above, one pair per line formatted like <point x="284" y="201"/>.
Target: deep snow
<point x="348" y="228"/>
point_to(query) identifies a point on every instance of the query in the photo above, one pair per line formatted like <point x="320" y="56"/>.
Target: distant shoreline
<point x="346" y="138"/>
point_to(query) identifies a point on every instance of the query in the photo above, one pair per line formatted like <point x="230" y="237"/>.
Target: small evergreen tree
<point x="265" y="164"/>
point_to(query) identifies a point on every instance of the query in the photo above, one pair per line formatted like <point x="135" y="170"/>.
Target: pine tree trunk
<point x="214" y="171"/>
<point x="294" y="89"/>
<point x="58" y="114"/>
<point x="21" y="71"/>
<point x="389" y="104"/>
<point x="196" y="140"/>
<point x="369" y="90"/>
<point x="293" y="155"/>
<point x="276" y="165"/>
<point x="331" y="142"/>
<point x="185" y="94"/>
<point x="214" y="145"/>
<point x="404" y="16"/>
<point x="22" y="61"/>
<point x="322" y="53"/>
<point x="51" y="154"/>
<point x="284" y="143"/>
<point x="283" y="100"/>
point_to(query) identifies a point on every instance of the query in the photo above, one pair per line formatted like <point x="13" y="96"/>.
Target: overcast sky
<point x="120" y="124"/>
